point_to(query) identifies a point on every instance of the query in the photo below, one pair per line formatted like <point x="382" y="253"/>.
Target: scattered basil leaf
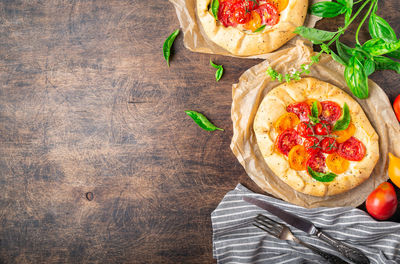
<point x="314" y="109"/>
<point x="337" y="58"/>
<point x="202" y="121"/>
<point x="214" y="8"/>
<point x="369" y="66"/>
<point x="344" y="51"/>
<point x="327" y="9"/>
<point x="344" y="122"/>
<point x="219" y="72"/>
<point x="379" y="28"/>
<point x="316" y="36"/>
<point x="356" y="78"/>
<point x="320" y="176"/>
<point x="260" y="29"/>
<point x="384" y="63"/>
<point x="167" y="45"/>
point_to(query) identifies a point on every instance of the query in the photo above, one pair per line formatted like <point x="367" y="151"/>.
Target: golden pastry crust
<point x="274" y="105"/>
<point x="240" y="43"/>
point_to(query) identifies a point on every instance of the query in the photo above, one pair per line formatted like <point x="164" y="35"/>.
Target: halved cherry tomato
<point x="352" y="149"/>
<point x="301" y="110"/>
<point x="336" y="163"/>
<point x="254" y="22"/>
<point x="316" y="162"/>
<point x="310" y="103"/>
<point x="382" y="202"/>
<point x="322" y="129"/>
<point x="305" y="129"/>
<point x="287" y="140"/>
<point x="394" y="169"/>
<point x="269" y="14"/>
<point x="343" y="135"/>
<point x="328" y="145"/>
<point x="331" y="111"/>
<point x="396" y="107"/>
<point x="297" y="158"/>
<point x="312" y="145"/>
<point x="280" y="4"/>
<point x="286" y="121"/>
<point x="225" y="13"/>
<point x="240" y="14"/>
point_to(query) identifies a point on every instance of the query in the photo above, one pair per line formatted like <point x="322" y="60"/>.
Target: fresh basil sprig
<point x="219" y="72"/>
<point x="327" y="9"/>
<point x="202" y="121"/>
<point x="260" y="29"/>
<point x="214" y="8"/>
<point x="344" y="122"/>
<point x="167" y="45"/>
<point x="320" y="176"/>
<point x="316" y="36"/>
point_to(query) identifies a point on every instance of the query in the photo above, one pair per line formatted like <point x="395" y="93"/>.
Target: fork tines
<point x="268" y="225"/>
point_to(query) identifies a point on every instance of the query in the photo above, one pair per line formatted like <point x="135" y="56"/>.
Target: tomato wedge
<point x="302" y="110"/>
<point x="305" y="129"/>
<point x="297" y="158"/>
<point x="254" y="22"/>
<point x="336" y="163"/>
<point x="312" y="145"/>
<point x="328" y="145"/>
<point x="287" y="140"/>
<point x="316" y="162"/>
<point x="343" y="135"/>
<point x="352" y="149"/>
<point x="269" y="14"/>
<point x="331" y="111"/>
<point x="286" y="121"/>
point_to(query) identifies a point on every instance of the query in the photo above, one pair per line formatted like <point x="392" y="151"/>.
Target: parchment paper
<point x="253" y="86"/>
<point x="195" y="39"/>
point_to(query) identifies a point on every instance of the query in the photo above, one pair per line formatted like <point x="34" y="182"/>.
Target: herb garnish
<point x="214" y="8"/>
<point x="167" y="45"/>
<point x="219" y="72"/>
<point x="260" y="29"/>
<point x="344" y="122"/>
<point x="320" y="176"/>
<point x="202" y="121"/>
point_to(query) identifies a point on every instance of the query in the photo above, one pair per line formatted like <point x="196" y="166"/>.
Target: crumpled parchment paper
<point x="196" y="40"/>
<point x="254" y="84"/>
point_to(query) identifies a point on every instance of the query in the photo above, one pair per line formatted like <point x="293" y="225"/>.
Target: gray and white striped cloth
<point x="235" y="242"/>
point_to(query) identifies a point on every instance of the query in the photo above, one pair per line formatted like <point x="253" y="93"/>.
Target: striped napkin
<point x="235" y="240"/>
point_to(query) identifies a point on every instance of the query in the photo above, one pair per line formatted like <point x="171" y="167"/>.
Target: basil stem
<point x="344" y="122"/>
<point x="320" y="176"/>
<point x="214" y="8"/>
<point x="219" y="72"/>
<point x="202" y="121"/>
<point x="167" y="45"/>
<point x="260" y="29"/>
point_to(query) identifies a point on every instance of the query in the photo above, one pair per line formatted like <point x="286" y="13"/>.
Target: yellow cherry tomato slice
<point x="298" y="157"/>
<point x="286" y="121"/>
<point x="336" y="163"/>
<point x="310" y="103"/>
<point x="280" y="4"/>
<point x="394" y="169"/>
<point x="343" y="135"/>
<point x="254" y="22"/>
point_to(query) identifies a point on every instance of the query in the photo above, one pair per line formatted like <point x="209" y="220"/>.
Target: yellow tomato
<point x="394" y="169"/>
<point x="286" y="121"/>
<point x="280" y="4"/>
<point x="298" y="157"/>
<point x="310" y="103"/>
<point x="254" y="22"/>
<point x="336" y="163"/>
<point x="343" y="135"/>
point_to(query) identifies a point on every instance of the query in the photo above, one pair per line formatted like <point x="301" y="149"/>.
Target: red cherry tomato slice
<point x="396" y="107"/>
<point x="316" y="162"/>
<point x="233" y="12"/>
<point x="240" y="14"/>
<point x="352" y="149"/>
<point x="312" y="145"/>
<point x="287" y="140"/>
<point x="269" y="14"/>
<point x="322" y="129"/>
<point x="302" y="110"/>
<point x="225" y="13"/>
<point x="331" y="111"/>
<point x="305" y="129"/>
<point x="328" y="145"/>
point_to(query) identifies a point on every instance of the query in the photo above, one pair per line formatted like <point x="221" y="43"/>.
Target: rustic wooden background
<point x="98" y="161"/>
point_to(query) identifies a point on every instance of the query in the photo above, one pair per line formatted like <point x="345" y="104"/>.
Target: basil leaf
<point x="379" y="28"/>
<point x="344" y="122"/>
<point x="320" y="176"/>
<point x="219" y="72"/>
<point x="214" y="8"/>
<point x="327" y="9"/>
<point x="314" y="109"/>
<point x="369" y="67"/>
<point x="344" y="51"/>
<point x="260" y="29"/>
<point x="337" y="58"/>
<point x="315" y="120"/>
<point x="167" y="45"/>
<point x="356" y="78"/>
<point x="202" y="121"/>
<point x="316" y="36"/>
<point x="384" y="63"/>
<point x="378" y="46"/>
<point x="394" y="54"/>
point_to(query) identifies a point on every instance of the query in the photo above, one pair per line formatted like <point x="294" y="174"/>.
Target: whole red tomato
<point x="396" y="107"/>
<point x="382" y="202"/>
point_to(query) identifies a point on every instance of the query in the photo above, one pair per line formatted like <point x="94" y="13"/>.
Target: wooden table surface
<point x="98" y="161"/>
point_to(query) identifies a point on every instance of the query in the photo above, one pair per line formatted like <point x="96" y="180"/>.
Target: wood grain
<point x="87" y="104"/>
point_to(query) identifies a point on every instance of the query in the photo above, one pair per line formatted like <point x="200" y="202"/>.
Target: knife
<point x="351" y="253"/>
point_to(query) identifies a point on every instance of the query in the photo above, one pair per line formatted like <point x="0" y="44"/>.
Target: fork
<point x="283" y="232"/>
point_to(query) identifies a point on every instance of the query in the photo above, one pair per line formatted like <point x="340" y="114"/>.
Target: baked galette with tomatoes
<point x="315" y="137"/>
<point x="251" y="27"/>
